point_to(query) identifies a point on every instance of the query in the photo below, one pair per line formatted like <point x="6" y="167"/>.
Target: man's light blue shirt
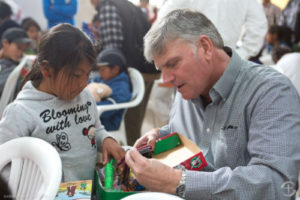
<point x="249" y="134"/>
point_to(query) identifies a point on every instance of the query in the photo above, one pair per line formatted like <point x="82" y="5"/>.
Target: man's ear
<point x="45" y="69"/>
<point x="206" y="45"/>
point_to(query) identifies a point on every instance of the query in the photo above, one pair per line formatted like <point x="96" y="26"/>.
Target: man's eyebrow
<point x="171" y="62"/>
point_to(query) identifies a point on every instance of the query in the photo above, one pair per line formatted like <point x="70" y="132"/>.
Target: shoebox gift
<point x="115" y="180"/>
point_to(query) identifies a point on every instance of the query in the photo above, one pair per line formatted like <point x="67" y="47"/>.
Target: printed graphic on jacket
<point x="62" y="142"/>
<point x="90" y="132"/>
<point x="58" y="120"/>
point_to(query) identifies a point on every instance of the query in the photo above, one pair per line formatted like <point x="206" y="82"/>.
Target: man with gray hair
<point x="244" y="117"/>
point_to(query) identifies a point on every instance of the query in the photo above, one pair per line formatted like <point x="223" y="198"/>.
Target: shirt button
<point x="208" y="130"/>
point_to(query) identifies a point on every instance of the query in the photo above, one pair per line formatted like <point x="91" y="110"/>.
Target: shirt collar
<point x="224" y="85"/>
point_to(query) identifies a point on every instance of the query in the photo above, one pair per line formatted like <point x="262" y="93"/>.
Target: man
<point x="235" y="20"/>
<point x="243" y="116"/>
<point x="123" y="26"/>
<point x="14" y="42"/>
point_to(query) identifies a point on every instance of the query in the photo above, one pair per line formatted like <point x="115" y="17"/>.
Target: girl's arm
<point x="13" y="124"/>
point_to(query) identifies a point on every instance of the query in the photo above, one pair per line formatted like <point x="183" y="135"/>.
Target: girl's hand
<point x="111" y="147"/>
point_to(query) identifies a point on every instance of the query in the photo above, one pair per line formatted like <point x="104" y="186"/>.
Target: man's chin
<point x="186" y="96"/>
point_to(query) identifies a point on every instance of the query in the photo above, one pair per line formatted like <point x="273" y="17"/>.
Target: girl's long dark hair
<point x="63" y="46"/>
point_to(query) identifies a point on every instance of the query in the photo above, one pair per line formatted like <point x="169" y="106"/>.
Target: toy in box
<point x="174" y="150"/>
<point x="75" y="190"/>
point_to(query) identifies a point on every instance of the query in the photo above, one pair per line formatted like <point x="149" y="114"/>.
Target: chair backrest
<point x="36" y="169"/>
<point x="11" y="82"/>
<point x="138" y="91"/>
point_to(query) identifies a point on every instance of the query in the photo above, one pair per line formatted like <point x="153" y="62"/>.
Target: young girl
<point x="54" y="106"/>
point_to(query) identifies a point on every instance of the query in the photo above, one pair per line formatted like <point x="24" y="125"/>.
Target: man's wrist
<point x="180" y="189"/>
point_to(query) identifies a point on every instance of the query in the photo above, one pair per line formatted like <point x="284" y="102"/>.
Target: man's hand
<point x="111" y="147"/>
<point x="148" y="139"/>
<point x="152" y="174"/>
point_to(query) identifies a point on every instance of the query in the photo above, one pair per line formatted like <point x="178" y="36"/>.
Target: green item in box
<point x="164" y="144"/>
<point x="167" y="143"/>
<point x="107" y="194"/>
<point x="109" y="174"/>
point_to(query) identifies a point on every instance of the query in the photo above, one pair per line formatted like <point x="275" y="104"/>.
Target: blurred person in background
<point x="276" y="35"/>
<point x="5" y="18"/>
<point x="287" y="63"/>
<point x="289" y="14"/>
<point x="272" y="12"/>
<point x="60" y="11"/>
<point x="33" y="31"/>
<point x="15" y="8"/>
<point x="150" y="11"/>
<point x="123" y="26"/>
<point x="14" y="43"/>
<point x="92" y="29"/>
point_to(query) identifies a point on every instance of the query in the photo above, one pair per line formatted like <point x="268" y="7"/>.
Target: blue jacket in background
<point x="60" y="11"/>
<point x="121" y="93"/>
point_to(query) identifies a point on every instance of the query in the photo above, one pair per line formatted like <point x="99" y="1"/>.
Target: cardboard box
<point x="172" y="150"/>
<point x="175" y="149"/>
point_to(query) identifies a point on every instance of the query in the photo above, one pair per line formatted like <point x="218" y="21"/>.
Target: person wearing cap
<point x="112" y="69"/>
<point x="14" y="42"/>
<point x="5" y="18"/>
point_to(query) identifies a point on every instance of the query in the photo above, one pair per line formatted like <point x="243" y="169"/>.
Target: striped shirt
<point x="249" y="134"/>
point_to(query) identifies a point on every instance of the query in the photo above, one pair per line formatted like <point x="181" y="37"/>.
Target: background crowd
<point x="257" y="31"/>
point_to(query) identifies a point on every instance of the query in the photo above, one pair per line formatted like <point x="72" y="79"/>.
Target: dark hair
<point x="63" y="46"/>
<point x="28" y="22"/>
<point x="285" y="35"/>
<point x="274" y="29"/>
<point x="5" y="10"/>
<point x="279" y="51"/>
<point x="96" y="18"/>
<point x="5" y="192"/>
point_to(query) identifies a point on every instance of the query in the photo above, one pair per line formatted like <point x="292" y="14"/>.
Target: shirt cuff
<point x="198" y="185"/>
<point x="164" y="131"/>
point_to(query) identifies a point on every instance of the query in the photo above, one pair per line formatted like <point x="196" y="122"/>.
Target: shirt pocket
<point x="227" y="148"/>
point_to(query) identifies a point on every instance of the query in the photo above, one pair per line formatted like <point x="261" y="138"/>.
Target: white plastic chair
<point x="36" y="169"/>
<point x="151" y="196"/>
<point x="138" y="90"/>
<point x="11" y="82"/>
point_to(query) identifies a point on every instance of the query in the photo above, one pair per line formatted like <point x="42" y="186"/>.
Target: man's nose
<point x="167" y="77"/>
